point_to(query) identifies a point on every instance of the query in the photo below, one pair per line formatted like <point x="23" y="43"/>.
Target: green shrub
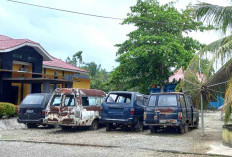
<point x="7" y="109"/>
<point x="2" y="110"/>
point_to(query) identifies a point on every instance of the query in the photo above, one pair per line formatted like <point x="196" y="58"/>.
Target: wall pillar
<point x="46" y="87"/>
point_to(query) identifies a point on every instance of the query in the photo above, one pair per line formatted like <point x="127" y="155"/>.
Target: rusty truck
<point x="70" y="107"/>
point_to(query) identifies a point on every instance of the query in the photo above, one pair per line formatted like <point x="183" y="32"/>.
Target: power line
<point x="94" y="15"/>
<point x="69" y="11"/>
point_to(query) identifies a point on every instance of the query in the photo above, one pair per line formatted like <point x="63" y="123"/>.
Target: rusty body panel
<point x="74" y="107"/>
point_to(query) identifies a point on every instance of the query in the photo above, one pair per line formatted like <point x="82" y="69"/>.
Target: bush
<point x="7" y="109"/>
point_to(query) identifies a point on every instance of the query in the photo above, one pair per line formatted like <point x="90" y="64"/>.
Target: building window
<point x="45" y="70"/>
<point x="56" y="74"/>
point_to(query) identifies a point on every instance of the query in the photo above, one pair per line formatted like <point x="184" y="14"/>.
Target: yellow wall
<point x="77" y="83"/>
<point x="81" y="83"/>
<point x="26" y="87"/>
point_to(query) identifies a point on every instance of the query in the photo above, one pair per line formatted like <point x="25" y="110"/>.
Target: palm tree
<point x="221" y="18"/>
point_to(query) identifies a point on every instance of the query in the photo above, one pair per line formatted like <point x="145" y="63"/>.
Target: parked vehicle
<point x="170" y="110"/>
<point x="32" y="109"/>
<point x="71" y="107"/>
<point x="121" y="108"/>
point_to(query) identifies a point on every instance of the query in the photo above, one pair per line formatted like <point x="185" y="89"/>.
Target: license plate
<point x="30" y="111"/>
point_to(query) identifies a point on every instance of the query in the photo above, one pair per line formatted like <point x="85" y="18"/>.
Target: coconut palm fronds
<point x="219" y="16"/>
<point x="228" y="101"/>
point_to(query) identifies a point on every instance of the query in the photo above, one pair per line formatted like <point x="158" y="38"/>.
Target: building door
<point x="14" y="97"/>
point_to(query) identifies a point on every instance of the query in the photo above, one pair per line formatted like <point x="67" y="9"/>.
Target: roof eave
<point x="64" y="69"/>
<point x="37" y="47"/>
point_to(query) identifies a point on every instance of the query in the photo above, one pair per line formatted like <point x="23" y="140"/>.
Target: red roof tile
<point x="7" y="42"/>
<point x="57" y="63"/>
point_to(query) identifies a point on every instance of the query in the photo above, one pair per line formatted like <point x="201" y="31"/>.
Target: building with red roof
<point x="26" y="67"/>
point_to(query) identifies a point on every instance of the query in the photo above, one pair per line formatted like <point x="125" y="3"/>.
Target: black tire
<point x="153" y="129"/>
<point x="184" y="128"/>
<point x="109" y="127"/>
<point x="65" y="127"/>
<point x="139" y="127"/>
<point x="51" y="126"/>
<point x="196" y="125"/>
<point x="31" y="125"/>
<point x="94" y="125"/>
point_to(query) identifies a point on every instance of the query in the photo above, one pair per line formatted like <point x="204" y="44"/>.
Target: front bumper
<point x="25" y="121"/>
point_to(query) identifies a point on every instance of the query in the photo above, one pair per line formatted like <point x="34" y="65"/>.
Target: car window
<point x="167" y="100"/>
<point x="187" y="101"/>
<point x="56" y="100"/>
<point x="111" y="98"/>
<point x="92" y="101"/>
<point x="140" y="100"/>
<point x="33" y="99"/>
<point x="152" y="100"/>
<point x="69" y="100"/>
<point x="182" y="102"/>
<point x="99" y="101"/>
<point x="119" y="98"/>
<point x="85" y="101"/>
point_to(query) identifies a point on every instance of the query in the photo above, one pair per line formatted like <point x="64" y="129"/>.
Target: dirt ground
<point x="165" y="142"/>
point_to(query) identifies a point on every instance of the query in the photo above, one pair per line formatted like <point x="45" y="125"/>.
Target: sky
<point x="63" y="34"/>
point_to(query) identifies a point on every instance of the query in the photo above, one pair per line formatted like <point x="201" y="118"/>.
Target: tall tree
<point x="76" y="59"/>
<point x="99" y="77"/>
<point x="155" y="47"/>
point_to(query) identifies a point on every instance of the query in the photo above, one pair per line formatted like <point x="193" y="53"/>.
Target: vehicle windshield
<point x="152" y="100"/>
<point x="119" y="98"/>
<point x="167" y="100"/>
<point x="33" y="99"/>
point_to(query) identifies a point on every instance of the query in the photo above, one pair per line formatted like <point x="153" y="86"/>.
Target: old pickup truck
<point x="170" y="110"/>
<point x="69" y="107"/>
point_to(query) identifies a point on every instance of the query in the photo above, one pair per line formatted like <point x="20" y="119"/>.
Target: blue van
<point x="122" y="108"/>
<point x="170" y="110"/>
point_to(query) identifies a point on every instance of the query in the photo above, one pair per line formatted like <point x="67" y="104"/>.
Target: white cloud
<point x="62" y="34"/>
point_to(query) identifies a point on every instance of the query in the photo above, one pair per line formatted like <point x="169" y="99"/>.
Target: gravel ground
<point x="51" y="150"/>
<point x="124" y="142"/>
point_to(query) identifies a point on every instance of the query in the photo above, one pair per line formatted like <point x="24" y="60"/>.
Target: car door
<point x="189" y="110"/>
<point x="184" y="110"/>
<point x="140" y="106"/>
<point x="118" y="106"/>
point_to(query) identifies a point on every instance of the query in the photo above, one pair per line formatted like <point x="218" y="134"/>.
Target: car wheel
<point x="153" y="129"/>
<point x="31" y="125"/>
<point x="94" y="125"/>
<point x="138" y="127"/>
<point x="197" y="124"/>
<point x="65" y="127"/>
<point x="182" y="129"/>
<point x="51" y="126"/>
<point x="109" y="127"/>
